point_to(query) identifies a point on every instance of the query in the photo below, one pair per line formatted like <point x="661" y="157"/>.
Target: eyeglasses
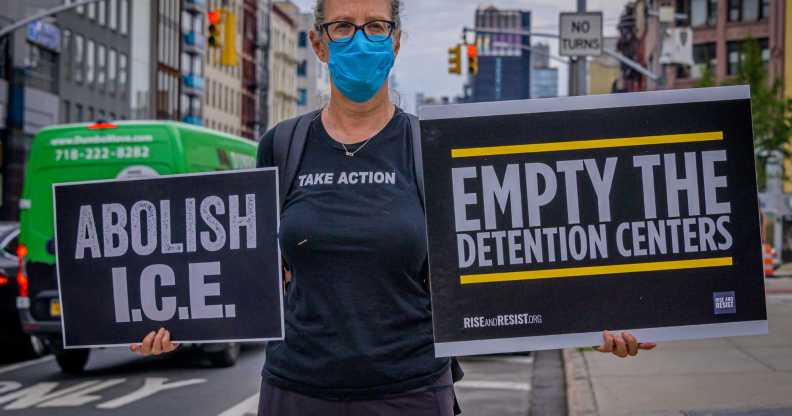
<point x="374" y="31"/>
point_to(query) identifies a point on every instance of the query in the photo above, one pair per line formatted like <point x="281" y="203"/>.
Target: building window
<point x="712" y="12"/>
<point x="78" y="113"/>
<point x="734" y="10"/>
<point x="704" y="56"/>
<point x="112" y="70"/>
<point x="735" y="54"/>
<point x="302" y="69"/>
<point x="698" y="12"/>
<point x="79" y="59"/>
<point x="101" y="66"/>
<point x="66" y="111"/>
<point x="764" y="46"/>
<point x="303" y="42"/>
<point x="89" y="62"/>
<point x="67" y="54"/>
<point x="734" y="57"/>
<point x="92" y="11"/>
<point x="123" y="17"/>
<point x="750" y="10"/>
<point x="101" y="11"/>
<point x="122" y="73"/>
<point x="302" y="97"/>
<point x="113" y="19"/>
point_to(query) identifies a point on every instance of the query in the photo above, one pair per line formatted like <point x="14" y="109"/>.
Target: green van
<point x="103" y="150"/>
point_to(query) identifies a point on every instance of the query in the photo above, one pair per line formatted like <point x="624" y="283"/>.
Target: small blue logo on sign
<point x="724" y="303"/>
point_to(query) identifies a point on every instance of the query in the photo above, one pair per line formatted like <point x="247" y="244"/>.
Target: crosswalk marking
<point x="248" y="406"/>
<point x="17" y="366"/>
<point x="493" y="385"/>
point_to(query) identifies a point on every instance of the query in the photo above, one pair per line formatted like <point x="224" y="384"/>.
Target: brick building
<point x="719" y="29"/>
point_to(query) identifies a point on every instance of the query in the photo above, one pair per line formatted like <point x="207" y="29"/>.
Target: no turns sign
<point x="581" y="34"/>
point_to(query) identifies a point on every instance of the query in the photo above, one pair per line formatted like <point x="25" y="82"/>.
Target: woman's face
<point x="358" y="12"/>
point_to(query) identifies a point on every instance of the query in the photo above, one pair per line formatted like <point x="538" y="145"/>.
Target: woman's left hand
<point x="623" y="345"/>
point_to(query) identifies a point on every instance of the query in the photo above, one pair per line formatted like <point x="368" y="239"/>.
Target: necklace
<point x="352" y="154"/>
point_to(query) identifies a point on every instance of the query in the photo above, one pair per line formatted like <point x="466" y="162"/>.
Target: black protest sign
<point x="197" y="254"/>
<point x="552" y="220"/>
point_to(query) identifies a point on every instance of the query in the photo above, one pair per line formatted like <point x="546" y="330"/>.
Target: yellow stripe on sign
<point x="586" y="144"/>
<point x="596" y="270"/>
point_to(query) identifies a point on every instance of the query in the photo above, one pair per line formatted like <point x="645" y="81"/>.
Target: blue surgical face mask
<point x="360" y="67"/>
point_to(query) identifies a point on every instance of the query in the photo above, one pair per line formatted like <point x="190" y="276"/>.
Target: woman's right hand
<point x="155" y="343"/>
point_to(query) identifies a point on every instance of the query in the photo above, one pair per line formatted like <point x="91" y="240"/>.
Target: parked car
<point x="12" y="337"/>
<point x="100" y="151"/>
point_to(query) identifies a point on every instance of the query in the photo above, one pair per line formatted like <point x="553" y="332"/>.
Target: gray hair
<point x="319" y="13"/>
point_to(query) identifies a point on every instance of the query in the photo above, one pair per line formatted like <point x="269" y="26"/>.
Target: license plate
<point x="55" y="308"/>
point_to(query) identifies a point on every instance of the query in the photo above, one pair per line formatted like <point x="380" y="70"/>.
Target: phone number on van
<point x="103" y="153"/>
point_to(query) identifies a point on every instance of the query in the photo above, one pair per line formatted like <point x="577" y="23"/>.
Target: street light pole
<point x="577" y="70"/>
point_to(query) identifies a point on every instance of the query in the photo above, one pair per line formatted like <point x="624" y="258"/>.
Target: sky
<point x="432" y="26"/>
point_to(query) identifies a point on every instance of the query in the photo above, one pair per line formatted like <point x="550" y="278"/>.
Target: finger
<point x="646" y="346"/>
<point x="621" y="347"/>
<point x="157" y="348"/>
<point x="134" y="347"/>
<point x="607" y="342"/>
<point x="145" y="346"/>
<point x="632" y="344"/>
<point x="167" y="345"/>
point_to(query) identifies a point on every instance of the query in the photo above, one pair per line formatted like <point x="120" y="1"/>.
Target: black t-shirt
<point x="357" y="312"/>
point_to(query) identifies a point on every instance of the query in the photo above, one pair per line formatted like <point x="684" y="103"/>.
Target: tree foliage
<point x="772" y="112"/>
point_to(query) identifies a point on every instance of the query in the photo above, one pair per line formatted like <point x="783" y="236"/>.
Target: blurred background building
<point x="718" y="28"/>
<point x="143" y="59"/>
<point x="223" y="99"/>
<point x="262" y="44"/>
<point x="283" y="62"/>
<point x="604" y="71"/>
<point x="504" y="67"/>
<point x="544" y="78"/>
<point x="313" y="78"/>
<point x="30" y="91"/>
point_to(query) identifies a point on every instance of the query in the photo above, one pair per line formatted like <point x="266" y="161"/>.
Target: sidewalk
<point x="729" y="376"/>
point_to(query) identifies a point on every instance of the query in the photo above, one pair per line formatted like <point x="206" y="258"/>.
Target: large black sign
<point x="552" y="220"/>
<point x="197" y="254"/>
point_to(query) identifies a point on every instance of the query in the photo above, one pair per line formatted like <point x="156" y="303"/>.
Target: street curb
<point x="580" y="394"/>
<point x="548" y="390"/>
<point x="778" y="291"/>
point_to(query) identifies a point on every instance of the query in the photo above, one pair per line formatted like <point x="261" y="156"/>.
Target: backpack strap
<point x="288" y="147"/>
<point x="415" y="134"/>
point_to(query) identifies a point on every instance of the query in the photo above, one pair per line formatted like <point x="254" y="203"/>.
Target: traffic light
<point x="214" y="29"/>
<point x="455" y="60"/>
<point x="229" y="56"/>
<point x="472" y="53"/>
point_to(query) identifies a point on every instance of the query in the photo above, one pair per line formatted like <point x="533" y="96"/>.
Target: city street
<point x="120" y="383"/>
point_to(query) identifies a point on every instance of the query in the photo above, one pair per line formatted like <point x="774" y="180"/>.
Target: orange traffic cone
<point x="768" y="259"/>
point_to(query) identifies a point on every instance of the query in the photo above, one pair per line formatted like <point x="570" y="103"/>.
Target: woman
<point x="358" y="319"/>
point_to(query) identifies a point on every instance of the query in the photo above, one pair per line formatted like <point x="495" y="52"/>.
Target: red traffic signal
<point x="472" y="51"/>
<point x="214" y="17"/>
